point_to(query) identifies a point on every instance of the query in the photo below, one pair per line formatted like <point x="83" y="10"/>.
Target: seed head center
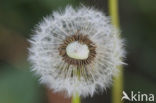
<point x="77" y="50"/>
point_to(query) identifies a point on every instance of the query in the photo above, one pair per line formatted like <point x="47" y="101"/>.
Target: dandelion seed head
<point x="76" y="51"/>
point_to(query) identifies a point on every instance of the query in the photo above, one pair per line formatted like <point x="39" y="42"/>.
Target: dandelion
<point x="76" y="51"/>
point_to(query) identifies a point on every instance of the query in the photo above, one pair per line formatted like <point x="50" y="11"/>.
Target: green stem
<point x="113" y="10"/>
<point x="76" y="98"/>
<point x="118" y="82"/>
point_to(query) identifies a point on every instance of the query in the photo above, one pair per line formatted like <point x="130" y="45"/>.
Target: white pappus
<point x="76" y="51"/>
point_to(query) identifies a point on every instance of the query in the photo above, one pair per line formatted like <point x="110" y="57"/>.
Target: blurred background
<point x="17" y="19"/>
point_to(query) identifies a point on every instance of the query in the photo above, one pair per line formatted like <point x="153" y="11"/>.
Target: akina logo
<point x="138" y="96"/>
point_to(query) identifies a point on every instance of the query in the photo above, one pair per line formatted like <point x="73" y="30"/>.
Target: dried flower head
<point x="76" y="51"/>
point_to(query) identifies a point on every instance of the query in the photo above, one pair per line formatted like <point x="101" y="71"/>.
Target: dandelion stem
<point x="76" y="98"/>
<point x="118" y="82"/>
<point x="113" y="10"/>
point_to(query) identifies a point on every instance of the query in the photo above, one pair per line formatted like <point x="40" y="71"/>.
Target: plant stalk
<point x="76" y="98"/>
<point x="118" y="82"/>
